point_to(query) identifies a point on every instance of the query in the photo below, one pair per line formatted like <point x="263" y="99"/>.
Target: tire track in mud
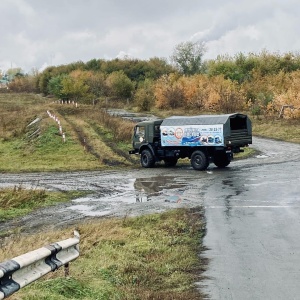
<point x="88" y="146"/>
<point x="112" y="145"/>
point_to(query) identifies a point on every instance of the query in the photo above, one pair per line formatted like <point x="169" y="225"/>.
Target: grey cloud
<point x="62" y="31"/>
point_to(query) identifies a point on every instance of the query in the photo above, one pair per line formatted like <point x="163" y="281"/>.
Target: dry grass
<point x="280" y="129"/>
<point x="20" y="197"/>
<point x="148" y="257"/>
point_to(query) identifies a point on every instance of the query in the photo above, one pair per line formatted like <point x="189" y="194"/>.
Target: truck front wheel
<point x="147" y="159"/>
<point x="199" y="161"/>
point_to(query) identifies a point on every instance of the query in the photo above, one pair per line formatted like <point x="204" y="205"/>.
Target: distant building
<point x="4" y="83"/>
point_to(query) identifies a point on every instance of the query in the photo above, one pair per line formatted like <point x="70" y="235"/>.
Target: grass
<point x="147" y="257"/>
<point x="18" y="201"/>
<point x="279" y="129"/>
<point x="248" y="151"/>
<point x="39" y="147"/>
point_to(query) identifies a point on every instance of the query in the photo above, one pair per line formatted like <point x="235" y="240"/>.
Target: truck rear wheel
<point x="199" y="160"/>
<point x="147" y="159"/>
<point x="221" y="160"/>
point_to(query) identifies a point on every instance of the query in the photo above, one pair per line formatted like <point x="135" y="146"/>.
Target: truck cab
<point x="144" y="134"/>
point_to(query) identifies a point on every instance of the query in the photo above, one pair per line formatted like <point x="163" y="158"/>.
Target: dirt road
<point x="251" y="207"/>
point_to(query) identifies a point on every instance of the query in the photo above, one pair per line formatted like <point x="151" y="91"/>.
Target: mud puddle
<point x="112" y="195"/>
<point x="138" y="190"/>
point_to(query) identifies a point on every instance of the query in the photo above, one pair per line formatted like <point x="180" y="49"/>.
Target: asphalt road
<point x="253" y="226"/>
<point x="251" y="208"/>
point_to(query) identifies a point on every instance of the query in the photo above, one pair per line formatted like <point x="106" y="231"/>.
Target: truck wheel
<point x="170" y="162"/>
<point x="199" y="161"/>
<point x="147" y="159"/>
<point x="221" y="160"/>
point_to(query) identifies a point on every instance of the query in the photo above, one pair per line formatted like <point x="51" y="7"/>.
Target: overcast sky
<point x="38" y="33"/>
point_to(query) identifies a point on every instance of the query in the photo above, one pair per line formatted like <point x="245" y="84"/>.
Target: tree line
<point x="261" y="83"/>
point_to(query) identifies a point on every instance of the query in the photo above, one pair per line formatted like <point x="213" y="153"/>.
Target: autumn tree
<point x="196" y="91"/>
<point x="75" y="87"/>
<point x="288" y="98"/>
<point x="230" y="98"/>
<point x="169" y="92"/>
<point x="23" y="84"/>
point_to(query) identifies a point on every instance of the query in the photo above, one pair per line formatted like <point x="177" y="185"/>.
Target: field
<point x="148" y="257"/>
<point x="30" y="140"/>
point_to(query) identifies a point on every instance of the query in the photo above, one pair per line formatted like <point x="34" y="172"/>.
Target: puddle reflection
<point x="160" y="188"/>
<point x="145" y="188"/>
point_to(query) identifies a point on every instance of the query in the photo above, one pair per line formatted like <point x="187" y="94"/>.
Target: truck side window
<point x="140" y="131"/>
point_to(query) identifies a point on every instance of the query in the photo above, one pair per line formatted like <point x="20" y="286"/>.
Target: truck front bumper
<point x="132" y="152"/>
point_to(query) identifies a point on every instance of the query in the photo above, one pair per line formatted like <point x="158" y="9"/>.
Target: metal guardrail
<point x="24" y="269"/>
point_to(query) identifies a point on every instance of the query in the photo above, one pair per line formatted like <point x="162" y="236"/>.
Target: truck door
<point x="139" y="136"/>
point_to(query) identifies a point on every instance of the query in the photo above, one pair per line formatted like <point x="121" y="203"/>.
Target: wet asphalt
<point x="253" y="227"/>
<point x="252" y="211"/>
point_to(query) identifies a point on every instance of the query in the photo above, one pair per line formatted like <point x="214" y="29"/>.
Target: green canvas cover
<point x="198" y="120"/>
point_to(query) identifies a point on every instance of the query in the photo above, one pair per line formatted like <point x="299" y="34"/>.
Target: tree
<point x="92" y="65"/>
<point x="144" y="96"/>
<point x="13" y="72"/>
<point x="97" y="85"/>
<point x="168" y="92"/>
<point x="120" y="85"/>
<point x="187" y="57"/>
<point x="75" y="88"/>
<point x="23" y="84"/>
<point x="55" y="86"/>
<point x="42" y="81"/>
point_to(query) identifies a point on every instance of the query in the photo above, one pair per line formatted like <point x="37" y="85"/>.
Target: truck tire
<point x="170" y="162"/>
<point x="199" y="160"/>
<point x="147" y="159"/>
<point x="221" y="160"/>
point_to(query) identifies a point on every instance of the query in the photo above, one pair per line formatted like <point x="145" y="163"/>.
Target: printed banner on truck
<point x="192" y="135"/>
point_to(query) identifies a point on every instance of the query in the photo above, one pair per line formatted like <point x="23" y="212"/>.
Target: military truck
<point x="203" y="139"/>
